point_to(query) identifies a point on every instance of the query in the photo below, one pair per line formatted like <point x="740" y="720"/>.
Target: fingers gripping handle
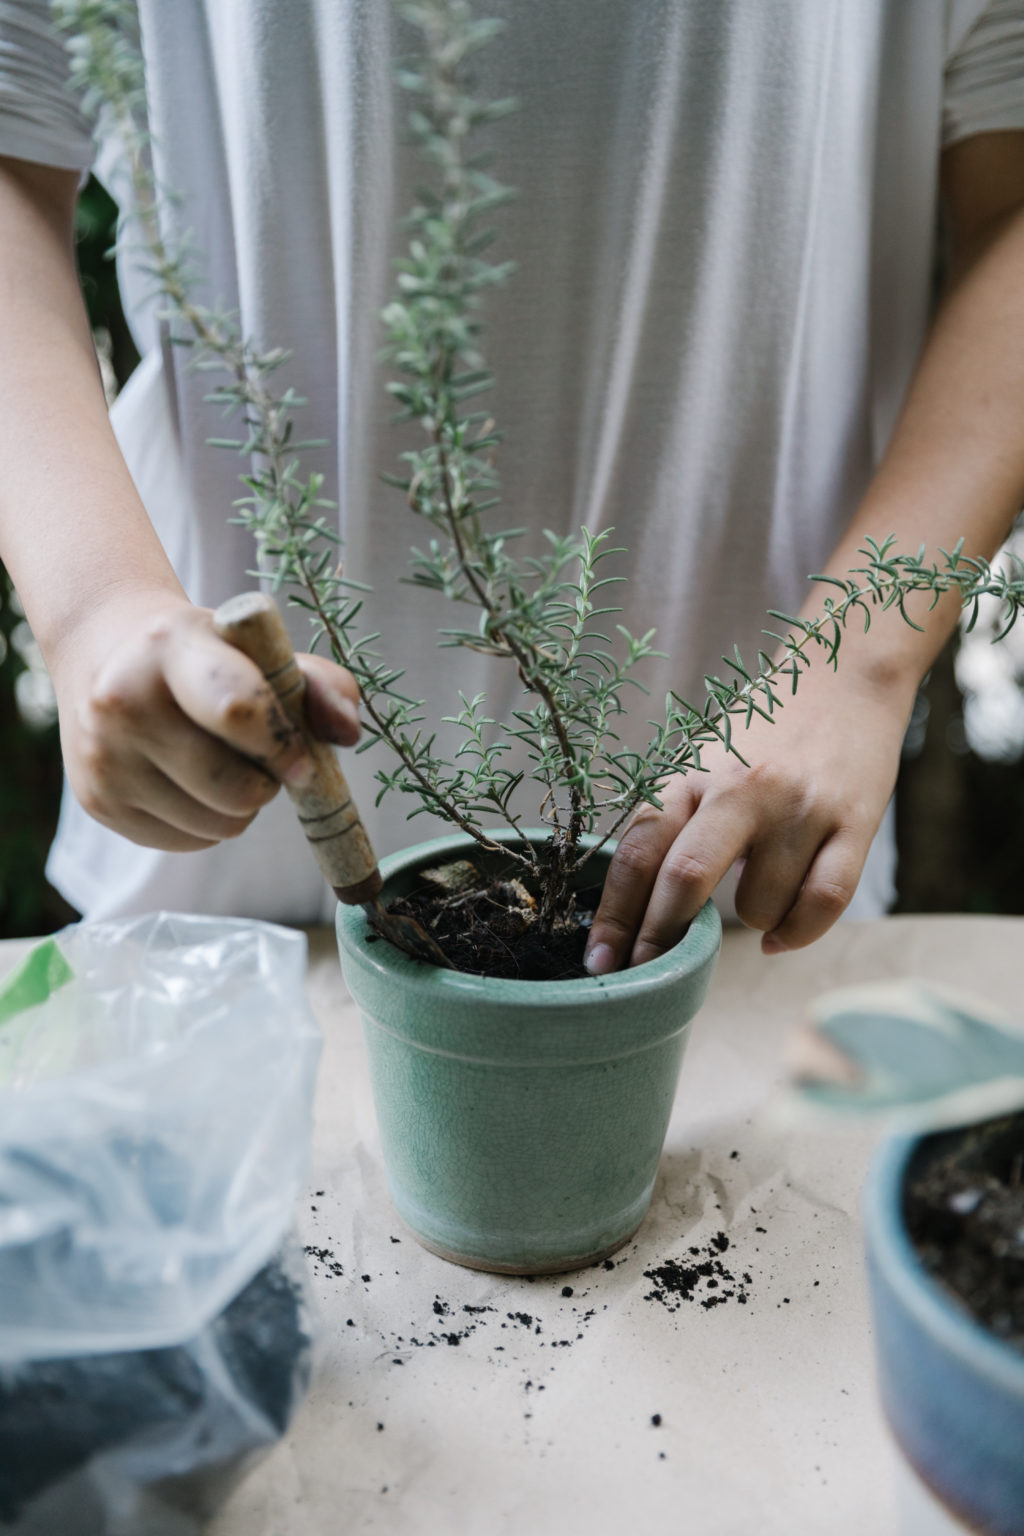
<point x="252" y="624"/>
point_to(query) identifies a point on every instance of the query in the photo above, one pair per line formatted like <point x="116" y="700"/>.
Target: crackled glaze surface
<point x="522" y="1122"/>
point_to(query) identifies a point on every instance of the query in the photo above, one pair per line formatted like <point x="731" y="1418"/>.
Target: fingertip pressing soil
<point x="493" y="930"/>
<point x="964" y="1208"/>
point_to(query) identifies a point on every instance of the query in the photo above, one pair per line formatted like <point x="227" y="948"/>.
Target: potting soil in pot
<point x="147" y="1442"/>
<point x="965" y="1214"/>
<point x="489" y="927"/>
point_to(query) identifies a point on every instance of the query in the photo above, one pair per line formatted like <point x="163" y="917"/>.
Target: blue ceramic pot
<point x="521" y="1121"/>
<point x="952" y="1392"/>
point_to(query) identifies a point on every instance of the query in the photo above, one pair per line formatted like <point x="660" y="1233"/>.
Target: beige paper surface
<point x="768" y="1415"/>
<point x="769" y="1419"/>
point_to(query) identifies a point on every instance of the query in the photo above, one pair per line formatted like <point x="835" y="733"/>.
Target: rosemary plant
<point x="547" y="614"/>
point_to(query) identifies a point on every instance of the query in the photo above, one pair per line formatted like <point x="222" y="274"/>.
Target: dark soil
<point x="701" y="1276"/>
<point x="964" y="1206"/>
<point x="493" y="930"/>
<point x="176" y="1421"/>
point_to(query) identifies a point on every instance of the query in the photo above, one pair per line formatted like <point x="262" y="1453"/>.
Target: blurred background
<point x="960" y="798"/>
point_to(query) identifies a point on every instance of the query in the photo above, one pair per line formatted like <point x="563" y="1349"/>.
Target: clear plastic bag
<point x="156" y="1087"/>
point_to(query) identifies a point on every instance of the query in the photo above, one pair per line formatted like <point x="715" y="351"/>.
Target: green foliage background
<point x="29" y="790"/>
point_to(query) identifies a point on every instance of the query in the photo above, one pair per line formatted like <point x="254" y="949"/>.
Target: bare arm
<point x="955" y="465"/>
<point x="159" y="719"/>
<point x="803" y="815"/>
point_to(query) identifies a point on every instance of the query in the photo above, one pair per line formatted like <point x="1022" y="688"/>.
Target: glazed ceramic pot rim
<point x="889" y="1245"/>
<point x="699" y="944"/>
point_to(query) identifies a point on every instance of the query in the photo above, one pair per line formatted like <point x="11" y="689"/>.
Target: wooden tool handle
<point x="252" y="624"/>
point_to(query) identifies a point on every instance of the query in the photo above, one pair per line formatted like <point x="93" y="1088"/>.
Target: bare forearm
<point x="802" y="811"/>
<point x="72" y="528"/>
<point x="162" y="724"/>
<point x="955" y="466"/>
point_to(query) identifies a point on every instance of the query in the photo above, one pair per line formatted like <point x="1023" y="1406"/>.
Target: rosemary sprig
<point x="543" y="613"/>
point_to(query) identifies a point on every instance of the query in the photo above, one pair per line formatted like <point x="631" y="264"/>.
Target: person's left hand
<point x="800" y="818"/>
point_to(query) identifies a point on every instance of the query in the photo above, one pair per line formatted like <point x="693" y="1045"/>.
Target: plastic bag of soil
<point x="156" y="1086"/>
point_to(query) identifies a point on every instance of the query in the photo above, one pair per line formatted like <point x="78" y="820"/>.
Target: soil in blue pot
<point x="964" y="1209"/>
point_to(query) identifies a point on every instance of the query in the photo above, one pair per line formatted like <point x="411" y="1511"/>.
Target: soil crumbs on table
<point x="702" y="1276"/>
<point x="703" y="1269"/>
<point x="964" y="1207"/>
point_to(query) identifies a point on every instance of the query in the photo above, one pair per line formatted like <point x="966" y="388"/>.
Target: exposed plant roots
<point x="494" y="928"/>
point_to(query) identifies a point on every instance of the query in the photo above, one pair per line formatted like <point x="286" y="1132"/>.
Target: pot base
<point x="493" y="1267"/>
<point x="921" y="1511"/>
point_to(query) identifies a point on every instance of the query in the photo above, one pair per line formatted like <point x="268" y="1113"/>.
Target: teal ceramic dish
<point x="521" y="1122"/>
<point x="952" y="1392"/>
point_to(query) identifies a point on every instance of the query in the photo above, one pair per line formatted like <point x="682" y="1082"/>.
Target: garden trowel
<point x="325" y="808"/>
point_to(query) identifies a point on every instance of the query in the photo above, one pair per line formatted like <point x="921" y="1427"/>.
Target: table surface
<point x="447" y="1401"/>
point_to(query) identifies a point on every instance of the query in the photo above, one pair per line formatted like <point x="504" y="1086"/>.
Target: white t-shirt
<point x="724" y="246"/>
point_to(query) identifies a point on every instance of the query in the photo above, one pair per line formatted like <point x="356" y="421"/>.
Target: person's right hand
<point x="171" y="736"/>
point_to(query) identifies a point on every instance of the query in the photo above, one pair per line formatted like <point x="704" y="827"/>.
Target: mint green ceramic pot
<point x="521" y="1121"/>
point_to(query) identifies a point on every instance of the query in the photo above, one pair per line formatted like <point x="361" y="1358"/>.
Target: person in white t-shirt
<point x="718" y="339"/>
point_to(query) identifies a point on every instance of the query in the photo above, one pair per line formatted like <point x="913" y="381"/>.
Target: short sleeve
<point x="40" y="117"/>
<point x="984" y="86"/>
